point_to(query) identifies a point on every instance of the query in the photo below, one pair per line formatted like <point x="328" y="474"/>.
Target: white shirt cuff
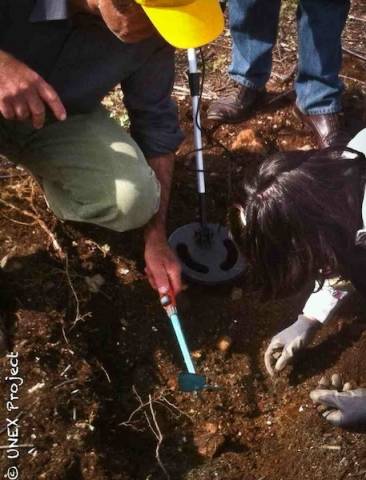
<point x="321" y="304"/>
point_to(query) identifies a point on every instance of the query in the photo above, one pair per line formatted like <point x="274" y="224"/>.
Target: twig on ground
<point x="71" y="285"/>
<point x="184" y="91"/>
<point x="354" y="54"/>
<point x="280" y="96"/>
<point x="40" y="222"/>
<point x="159" y="437"/>
<point x="66" y="382"/>
<point x="163" y="400"/>
<point x="78" y="316"/>
<point x="288" y="76"/>
<point x="360" y="19"/>
<point x="105" y="372"/>
<point x="17" y="221"/>
<point x="147" y="409"/>
<point x="351" y="79"/>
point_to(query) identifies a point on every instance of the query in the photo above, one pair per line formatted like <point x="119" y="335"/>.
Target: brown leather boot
<point x="236" y="105"/>
<point x="327" y="128"/>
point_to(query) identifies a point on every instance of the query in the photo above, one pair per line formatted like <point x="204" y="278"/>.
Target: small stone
<point x="172" y="383"/>
<point x="95" y="282"/>
<point x="208" y="443"/>
<point x="236" y="294"/>
<point x="248" y="140"/>
<point x="196" y="354"/>
<point x="210" y="427"/>
<point x="224" y="343"/>
<point x="124" y="270"/>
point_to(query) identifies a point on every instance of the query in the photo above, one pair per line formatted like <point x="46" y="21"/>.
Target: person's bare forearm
<point x="162" y="266"/>
<point x="163" y="167"/>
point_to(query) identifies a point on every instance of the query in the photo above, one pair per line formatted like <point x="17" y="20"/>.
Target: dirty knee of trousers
<point x="118" y="202"/>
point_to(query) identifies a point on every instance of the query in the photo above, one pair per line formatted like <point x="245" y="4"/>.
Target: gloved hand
<point x="285" y="344"/>
<point x="344" y="407"/>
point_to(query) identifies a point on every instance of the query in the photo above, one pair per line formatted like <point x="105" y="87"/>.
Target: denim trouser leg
<point x="253" y="25"/>
<point x="320" y="25"/>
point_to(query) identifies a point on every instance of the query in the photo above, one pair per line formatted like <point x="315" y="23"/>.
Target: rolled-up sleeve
<point x="152" y="111"/>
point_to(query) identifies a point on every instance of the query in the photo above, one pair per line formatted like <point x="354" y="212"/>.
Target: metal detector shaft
<point x="194" y="83"/>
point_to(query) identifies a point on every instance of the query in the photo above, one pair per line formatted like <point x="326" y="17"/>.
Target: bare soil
<point x="90" y="354"/>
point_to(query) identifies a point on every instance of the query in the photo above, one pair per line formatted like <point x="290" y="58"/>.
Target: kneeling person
<point x="303" y="218"/>
<point x="58" y="59"/>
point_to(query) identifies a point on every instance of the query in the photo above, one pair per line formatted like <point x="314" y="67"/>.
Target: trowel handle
<point x="168" y="301"/>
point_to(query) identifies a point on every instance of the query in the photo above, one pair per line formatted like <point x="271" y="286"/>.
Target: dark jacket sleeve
<point x="3" y="17"/>
<point x="152" y="111"/>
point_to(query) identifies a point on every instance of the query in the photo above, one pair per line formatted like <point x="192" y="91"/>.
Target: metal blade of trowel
<point x="188" y="381"/>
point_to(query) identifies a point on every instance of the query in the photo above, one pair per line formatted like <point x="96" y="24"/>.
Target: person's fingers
<point x="326" y="397"/>
<point x="347" y="387"/>
<point x="150" y="279"/>
<point x="284" y="360"/>
<point x="49" y="95"/>
<point x="324" y="383"/>
<point x="7" y="110"/>
<point x="336" y="381"/>
<point x="268" y="360"/>
<point x="159" y="277"/>
<point x="21" y="109"/>
<point x="37" y="109"/>
<point x="175" y="277"/>
<point x="335" y="417"/>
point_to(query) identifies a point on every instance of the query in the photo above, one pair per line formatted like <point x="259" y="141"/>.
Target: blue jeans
<point x="254" y="25"/>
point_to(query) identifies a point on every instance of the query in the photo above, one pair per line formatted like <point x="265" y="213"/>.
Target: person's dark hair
<point x="298" y="217"/>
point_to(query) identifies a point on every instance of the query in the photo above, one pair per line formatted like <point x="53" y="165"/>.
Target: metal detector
<point x="206" y="251"/>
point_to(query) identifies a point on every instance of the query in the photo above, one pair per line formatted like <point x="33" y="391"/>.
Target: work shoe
<point x="236" y="105"/>
<point x="327" y="128"/>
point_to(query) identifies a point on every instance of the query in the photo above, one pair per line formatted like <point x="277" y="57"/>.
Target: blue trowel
<point x="188" y="381"/>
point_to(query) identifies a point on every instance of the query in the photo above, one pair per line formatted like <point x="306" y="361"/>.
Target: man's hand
<point x="162" y="266"/>
<point x="285" y="344"/>
<point x="342" y="406"/>
<point x="126" y="19"/>
<point x="24" y="94"/>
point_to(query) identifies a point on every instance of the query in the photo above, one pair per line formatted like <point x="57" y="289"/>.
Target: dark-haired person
<point x="58" y="59"/>
<point x="254" y="27"/>
<point x="303" y="218"/>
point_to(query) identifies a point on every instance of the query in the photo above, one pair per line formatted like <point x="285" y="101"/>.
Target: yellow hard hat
<point x="185" y="23"/>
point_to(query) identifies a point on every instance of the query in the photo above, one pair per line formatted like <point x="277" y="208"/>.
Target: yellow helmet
<point x="185" y="23"/>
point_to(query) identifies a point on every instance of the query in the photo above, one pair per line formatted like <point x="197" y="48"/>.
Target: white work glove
<point x="342" y="406"/>
<point x="285" y="344"/>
